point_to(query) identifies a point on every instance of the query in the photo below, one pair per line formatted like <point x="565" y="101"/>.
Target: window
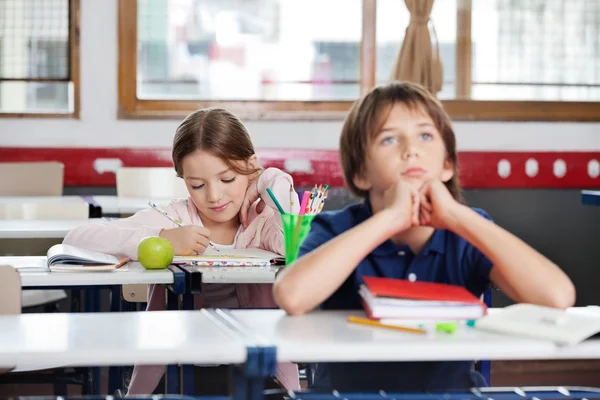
<point x="502" y="59"/>
<point x="536" y="50"/>
<point x="39" y="62"/>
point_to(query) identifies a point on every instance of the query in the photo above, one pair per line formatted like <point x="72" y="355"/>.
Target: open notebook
<point x="62" y="257"/>
<point x="233" y="257"/>
<point x="562" y="327"/>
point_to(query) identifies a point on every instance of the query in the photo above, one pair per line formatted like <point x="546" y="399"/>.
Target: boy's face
<point x="408" y="145"/>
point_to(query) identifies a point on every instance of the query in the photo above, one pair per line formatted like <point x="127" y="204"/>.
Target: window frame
<point x="130" y="107"/>
<point x="74" y="60"/>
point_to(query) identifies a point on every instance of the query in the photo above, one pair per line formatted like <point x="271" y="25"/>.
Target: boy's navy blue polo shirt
<point x="446" y="258"/>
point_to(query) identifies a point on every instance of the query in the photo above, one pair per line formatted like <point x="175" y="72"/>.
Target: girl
<point x="228" y="205"/>
<point x="398" y="153"/>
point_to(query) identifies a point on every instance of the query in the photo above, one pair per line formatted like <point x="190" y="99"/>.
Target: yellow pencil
<point x="366" y="321"/>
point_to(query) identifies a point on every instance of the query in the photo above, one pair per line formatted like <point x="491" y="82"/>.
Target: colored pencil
<point x="275" y="201"/>
<point x="370" y="322"/>
<point x="304" y="203"/>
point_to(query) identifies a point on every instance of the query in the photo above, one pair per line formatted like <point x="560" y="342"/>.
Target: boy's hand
<point x="437" y="205"/>
<point x="402" y="202"/>
<point x="187" y="240"/>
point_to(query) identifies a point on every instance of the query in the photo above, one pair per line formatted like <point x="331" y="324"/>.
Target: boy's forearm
<point x="522" y="271"/>
<point x="314" y="277"/>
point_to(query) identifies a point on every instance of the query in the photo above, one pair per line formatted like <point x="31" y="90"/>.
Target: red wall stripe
<point x="483" y="170"/>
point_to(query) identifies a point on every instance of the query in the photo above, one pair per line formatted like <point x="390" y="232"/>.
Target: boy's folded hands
<point x="409" y="206"/>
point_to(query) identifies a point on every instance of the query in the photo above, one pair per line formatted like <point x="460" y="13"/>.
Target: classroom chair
<point x="35" y="179"/>
<point x="33" y="210"/>
<point x="31" y="179"/>
<point x="39" y="211"/>
<point x="10" y="295"/>
<point x="150" y="183"/>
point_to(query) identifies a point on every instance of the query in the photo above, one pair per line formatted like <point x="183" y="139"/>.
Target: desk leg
<point x="115" y="374"/>
<point x="173" y="378"/>
<point x="76" y="305"/>
<point x="188" y="380"/>
<point x="115" y="299"/>
<point x="486" y="367"/>
<point x="92" y="304"/>
<point x="172" y="301"/>
<point x="246" y="387"/>
<point x="188" y="301"/>
<point x="188" y="370"/>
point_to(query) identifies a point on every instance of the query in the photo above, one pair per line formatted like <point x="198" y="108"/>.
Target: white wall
<point x="99" y="126"/>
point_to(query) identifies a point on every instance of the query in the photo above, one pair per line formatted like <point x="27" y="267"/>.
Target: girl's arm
<point x="279" y="182"/>
<point x="521" y="272"/>
<point x="120" y="237"/>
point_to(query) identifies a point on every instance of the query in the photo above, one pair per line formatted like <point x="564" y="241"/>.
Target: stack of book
<point x="386" y="300"/>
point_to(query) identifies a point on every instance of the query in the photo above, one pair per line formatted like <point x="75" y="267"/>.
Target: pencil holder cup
<point x="295" y="229"/>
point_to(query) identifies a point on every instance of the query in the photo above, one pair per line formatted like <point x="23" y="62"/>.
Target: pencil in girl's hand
<point x="275" y="201"/>
<point x="291" y="198"/>
<point x="163" y="212"/>
<point x="175" y="221"/>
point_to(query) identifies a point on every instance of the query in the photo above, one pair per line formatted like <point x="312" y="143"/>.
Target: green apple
<point x="155" y="252"/>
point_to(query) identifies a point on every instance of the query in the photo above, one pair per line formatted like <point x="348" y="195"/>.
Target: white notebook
<point x="62" y="257"/>
<point x="559" y="326"/>
<point x="233" y="257"/>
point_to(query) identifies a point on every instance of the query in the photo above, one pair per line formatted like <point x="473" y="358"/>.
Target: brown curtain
<point x="419" y="60"/>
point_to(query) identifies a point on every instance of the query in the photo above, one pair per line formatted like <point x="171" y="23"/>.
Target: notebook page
<point x="66" y="254"/>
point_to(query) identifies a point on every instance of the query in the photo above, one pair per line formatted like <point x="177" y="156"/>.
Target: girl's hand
<point x="187" y="240"/>
<point x="437" y="205"/>
<point x="402" y="202"/>
<point x="251" y="196"/>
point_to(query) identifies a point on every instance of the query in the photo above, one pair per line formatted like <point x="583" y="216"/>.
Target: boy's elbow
<point x="286" y="298"/>
<point x="564" y="297"/>
<point x="560" y="296"/>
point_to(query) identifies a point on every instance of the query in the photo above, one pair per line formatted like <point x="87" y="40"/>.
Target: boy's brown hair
<point x="368" y="114"/>
<point x="218" y="132"/>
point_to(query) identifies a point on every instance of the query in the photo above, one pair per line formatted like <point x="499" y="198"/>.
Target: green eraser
<point x="448" y="327"/>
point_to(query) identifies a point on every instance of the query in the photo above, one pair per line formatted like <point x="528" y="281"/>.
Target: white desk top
<point x="33" y="273"/>
<point x="41" y="199"/>
<point x="39" y="229"/>
<point x="126" y="205"/>
<point x="591" y="192"/>
<point x="103" y="339"/>
<point x="327" y="336"/>
<point x="238" y="274"/>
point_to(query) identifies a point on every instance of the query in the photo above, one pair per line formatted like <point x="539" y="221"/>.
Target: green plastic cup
<point x="295" y="229"/>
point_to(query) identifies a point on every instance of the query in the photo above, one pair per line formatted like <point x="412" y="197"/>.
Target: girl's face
<point x="216" y="190"/>
<point x="408" y="145"/>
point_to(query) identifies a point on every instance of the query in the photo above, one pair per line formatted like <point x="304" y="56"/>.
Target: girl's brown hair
<point x="370" y="112"/>
<point x="218" y="132"/>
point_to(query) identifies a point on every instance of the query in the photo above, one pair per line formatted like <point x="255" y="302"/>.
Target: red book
<point x="399" y="298"/>
<point x="404" y="289"/>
